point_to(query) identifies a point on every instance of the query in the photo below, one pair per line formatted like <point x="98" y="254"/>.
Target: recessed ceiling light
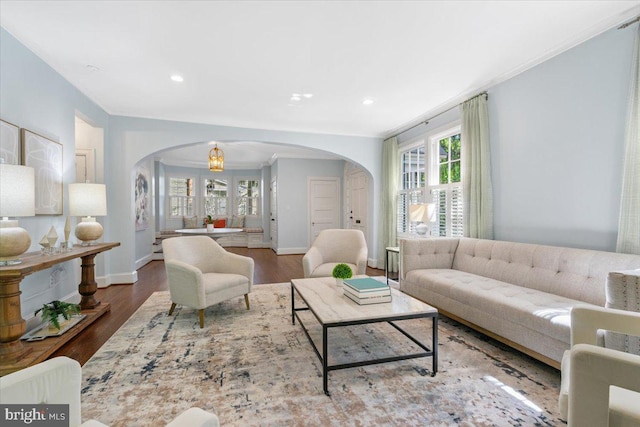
<point x="295" y="97"/>
<point x="92" y="68"/>
<point x="177" y="78"/>
<point x="367" y="101"/>
<point x="308" y="95"/>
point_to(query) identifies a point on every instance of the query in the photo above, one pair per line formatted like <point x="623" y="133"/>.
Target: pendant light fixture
<point x="216" y="159"/>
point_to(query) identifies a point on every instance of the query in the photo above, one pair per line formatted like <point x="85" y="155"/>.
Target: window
<point x="216" y="197"/>
<point x="445" y="182"/>
<point x="181" y="197"/>
<point x="412" y="183"/>
<point x="248" y="197"/>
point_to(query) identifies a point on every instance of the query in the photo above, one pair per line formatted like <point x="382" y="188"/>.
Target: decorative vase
<point x="338" y="282"/>
<point x="210" y="227"/>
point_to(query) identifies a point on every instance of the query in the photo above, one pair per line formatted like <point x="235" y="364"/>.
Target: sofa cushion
<point x="541" y="311"/>
<point x="220" y="223"/>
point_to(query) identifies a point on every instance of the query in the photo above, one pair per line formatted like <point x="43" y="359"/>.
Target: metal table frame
<point x="326" y="368"/>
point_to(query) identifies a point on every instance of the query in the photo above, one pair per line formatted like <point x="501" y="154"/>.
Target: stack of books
<point x="366" y="291"/>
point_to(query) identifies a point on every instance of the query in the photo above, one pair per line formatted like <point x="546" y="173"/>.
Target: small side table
<point x="391" y="250"/>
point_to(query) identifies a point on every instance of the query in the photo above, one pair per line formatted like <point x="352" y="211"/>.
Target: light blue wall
<point x="557" y="145"/>
<point x="33" y="96"/>
<point x="293" y="214"/>
<point x="557" y="135"/>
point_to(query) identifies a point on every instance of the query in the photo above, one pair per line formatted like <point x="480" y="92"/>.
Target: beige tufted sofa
<point x="518" y="293"/>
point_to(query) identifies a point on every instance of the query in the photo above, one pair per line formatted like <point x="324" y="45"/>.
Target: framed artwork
<point x="45" y="157"/>
<point x="141" y="189"/>
<point x="9" y="143"/>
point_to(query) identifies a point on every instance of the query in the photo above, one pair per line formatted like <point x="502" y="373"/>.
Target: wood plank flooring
<point x="126" y="299"/>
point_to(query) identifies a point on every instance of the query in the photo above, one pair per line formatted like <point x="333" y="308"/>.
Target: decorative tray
<point x="43" y="331"/>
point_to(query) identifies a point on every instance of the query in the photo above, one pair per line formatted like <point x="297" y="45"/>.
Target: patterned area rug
<point x="254" y="368"/>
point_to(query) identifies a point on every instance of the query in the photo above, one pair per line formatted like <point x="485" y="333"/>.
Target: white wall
<point x="557" y="134"/>
<point x="293" y="213"/>
<point x="35" y="97"/>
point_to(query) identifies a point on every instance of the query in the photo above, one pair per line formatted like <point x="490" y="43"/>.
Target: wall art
<point x="141" y="188"/>
<point x="45" y="157"/>
<point x="9" y="143"/>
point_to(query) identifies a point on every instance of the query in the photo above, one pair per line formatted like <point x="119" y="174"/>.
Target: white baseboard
<point x="123" y="278"/>
<point x="291" y="251"/>
<point x="144" y="261"/>
<point x="373" y="263"/>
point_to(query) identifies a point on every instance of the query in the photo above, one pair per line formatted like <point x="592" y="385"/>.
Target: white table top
<point x="216" y="232"/>
<point x="327" y="301"/>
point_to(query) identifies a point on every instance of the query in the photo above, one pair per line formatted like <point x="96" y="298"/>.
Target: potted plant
<point x="341" y="272"/>
<point x="55" y="310"/>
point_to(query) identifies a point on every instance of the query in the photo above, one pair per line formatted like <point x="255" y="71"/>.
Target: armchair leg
<point x="246" y="300"/>
<point x="201" y="318"/>
<point x="173" y="306"/>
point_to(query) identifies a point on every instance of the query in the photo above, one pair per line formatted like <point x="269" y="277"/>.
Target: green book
<point x="366" y="284"/>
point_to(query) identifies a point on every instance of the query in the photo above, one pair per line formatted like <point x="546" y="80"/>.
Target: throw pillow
<point x="220" y="223"/>
<point x="190" y="222"/>
<point x="237" y="221"/>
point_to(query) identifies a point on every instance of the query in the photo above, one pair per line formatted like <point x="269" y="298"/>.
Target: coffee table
<point x="332" y="310"/>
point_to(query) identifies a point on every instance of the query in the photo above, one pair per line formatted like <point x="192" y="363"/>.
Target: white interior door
<point x="324" y="205"/>
<point x="85" y="165"/>
<point x="358" y="201"/>
<point x="273" y="220"/>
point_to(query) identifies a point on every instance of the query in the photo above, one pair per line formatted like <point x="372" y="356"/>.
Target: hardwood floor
<point x="126" y="299"/>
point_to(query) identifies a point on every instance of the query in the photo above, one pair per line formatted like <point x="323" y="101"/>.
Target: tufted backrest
<point x="341" y="245"/>
<point x="417" y="254"/>
<point x="200" y="251"/>
<point x="579" y="274"/>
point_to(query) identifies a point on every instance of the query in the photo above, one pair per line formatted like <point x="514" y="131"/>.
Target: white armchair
<point x="335" y="246"/>
<point x="600" y="386"/>
<point x="58" y="381"/>
<point x="201" y="273"/>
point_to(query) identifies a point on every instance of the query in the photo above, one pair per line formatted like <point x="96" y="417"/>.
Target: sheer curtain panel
<point x="629" y="223"/>
<point x="476" y="169"/>
<point x="388" y="200"/>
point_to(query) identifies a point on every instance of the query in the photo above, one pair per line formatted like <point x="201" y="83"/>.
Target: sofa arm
<point x="195" y="417"/>
<point x="418" y="254"/>
<point x="185" y="283"/>
<point x="311" y="260"/>
<point x="623" y="293"/>
<point x="593" y="371"/>
<point x="54" y="381"/>
<point x="587" y="320"/>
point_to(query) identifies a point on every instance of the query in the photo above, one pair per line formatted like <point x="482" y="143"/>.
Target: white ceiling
<point x="241" y="61"/>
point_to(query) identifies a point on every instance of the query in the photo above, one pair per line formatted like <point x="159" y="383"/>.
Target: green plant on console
<point x="342" y="271"/>
<point x="53" y="310"/>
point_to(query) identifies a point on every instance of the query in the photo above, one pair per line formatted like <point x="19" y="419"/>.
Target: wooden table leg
<point x="12" y="325"/>
<point x="88" y="285"/>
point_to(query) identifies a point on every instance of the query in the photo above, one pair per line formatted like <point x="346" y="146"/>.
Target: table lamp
<point x="424" y="214"/>
<point x="17" y="198"/>
<point x="88" y="200"/>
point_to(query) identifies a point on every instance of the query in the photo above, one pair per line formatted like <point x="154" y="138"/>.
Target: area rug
<point x="255" y="368"/>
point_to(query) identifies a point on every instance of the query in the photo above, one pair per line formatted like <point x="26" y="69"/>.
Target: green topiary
<point x="342" y="271"/>
<point x="53" y="310"/>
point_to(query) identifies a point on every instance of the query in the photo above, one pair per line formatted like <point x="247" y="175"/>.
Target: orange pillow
<point x="219" y="223"/>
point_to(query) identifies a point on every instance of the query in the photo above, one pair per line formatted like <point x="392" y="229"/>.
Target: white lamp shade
<point x="87" y="199"/>
<point x="17" y="191"/>
<point x="422" y="213"/>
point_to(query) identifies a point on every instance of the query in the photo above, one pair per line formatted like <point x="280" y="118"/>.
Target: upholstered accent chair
<point x="59" y="381"/>
<point x="600" y="386"/>
<point x="202" y="273"/>
<point x="335" y="246"/>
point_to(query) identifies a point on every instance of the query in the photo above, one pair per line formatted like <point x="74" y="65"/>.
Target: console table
<point x="14" y="354"/>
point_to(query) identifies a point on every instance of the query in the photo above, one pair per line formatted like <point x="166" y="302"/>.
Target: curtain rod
<point x="626" y="24"/>
<point x="426" y="122"/>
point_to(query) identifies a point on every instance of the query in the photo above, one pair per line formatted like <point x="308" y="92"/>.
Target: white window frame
<point x="415" y="195"/>
<point x="229" y="201"/>
<point x="452" y="224"/>
<point x="237" y="198"/>
<point x="170" y="197"/>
